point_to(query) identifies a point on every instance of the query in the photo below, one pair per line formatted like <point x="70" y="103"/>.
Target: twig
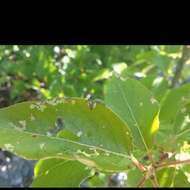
<point x="142" y="181"/>
<point x="138" y="164"/>
<point x="172" y="163"/>
<point x="180" y="64"/>
<point x="153" y="177"/>
<point x="154" y="182"/>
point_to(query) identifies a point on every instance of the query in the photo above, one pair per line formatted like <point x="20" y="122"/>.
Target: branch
<point x="138" y="164"/>
<point x="142" y="181"/>
<point x="154" y="182"/>
<point x="172" y="163"/>
<point x="180" y="64"/>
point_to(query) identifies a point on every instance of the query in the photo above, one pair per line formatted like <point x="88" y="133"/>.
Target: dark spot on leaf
<point x="146" y="157"/>
<point x="34" y="136"/>
<point x="59" y="123"/>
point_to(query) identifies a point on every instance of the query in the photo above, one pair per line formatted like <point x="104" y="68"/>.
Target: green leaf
<point x="165" y="177"/>
<point x="173" y="102"/>
<point x="99" y="180"/>
<point x="157" y="85"/>
<point x="59" y="173"/>
<point x="174" y="118"/>
<point x="33" y="130"/>
<point x="133" y="177"/>
<point x="180" y="180"/>
<point x="136" y="105"/>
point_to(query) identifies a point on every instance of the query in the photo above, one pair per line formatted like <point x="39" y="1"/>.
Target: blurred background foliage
<point x="42" y="72"/>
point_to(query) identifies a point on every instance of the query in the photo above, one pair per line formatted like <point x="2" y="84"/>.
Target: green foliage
<point x="129" y="99"/>
<point x="142" y="128"/>
<point x="46" y="173"/>
<point x="30" y="134"/>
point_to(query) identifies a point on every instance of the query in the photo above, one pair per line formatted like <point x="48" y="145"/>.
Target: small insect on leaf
<point x="91" y="101"/>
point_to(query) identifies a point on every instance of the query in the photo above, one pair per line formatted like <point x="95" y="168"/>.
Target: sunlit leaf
<point x="136" y="105"/>
<point x="94" y="135"/>
<point x="59" y="173"/>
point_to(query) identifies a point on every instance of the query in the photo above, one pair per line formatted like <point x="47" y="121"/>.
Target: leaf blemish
<point x="59" y="124"/>
<point x="23" y="123"/>
<point x="60" y="154"/>
<point x="79" y="133"/>
<point x="32" y="118"/>
<point x="153" y="100"/>
<point x="42" y="145"/>
<point x="107" y="154"/>
<point x="9" y="147"/>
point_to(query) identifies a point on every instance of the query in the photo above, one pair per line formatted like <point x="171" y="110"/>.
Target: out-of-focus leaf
<point x="59" y="173"/>
<point x="134" y="176"/>
<point x="103" y="74"/>
<point x="174" y="118"/>
<point x="158" y="85"/>
<point x="180" y="180"/>
<point x="99" y="180"/>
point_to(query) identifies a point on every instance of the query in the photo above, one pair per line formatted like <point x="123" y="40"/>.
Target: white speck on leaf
<point x="153" y="100"/>
<point x="32" y="118"/>
<point x="79" y="133"/>
<point x="48" y="134"/>
<point x="42" y="145"/>
<point x="107" y="154"/>
<point x="23" y="124"/>
<point x="84" y="153"/>
<point x="183" y="110"/>
<point x="32" y="106"/>
<point x="39" y="105"/>
<point x="187" y="119"/>
<point x="9" y="147"/>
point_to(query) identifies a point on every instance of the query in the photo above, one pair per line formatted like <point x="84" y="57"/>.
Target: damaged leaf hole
<point x="59" y="125"/>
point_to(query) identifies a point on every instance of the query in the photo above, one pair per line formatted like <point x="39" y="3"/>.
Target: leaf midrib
<point x="131" y="112"/>
<point x="78" y="143"/>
